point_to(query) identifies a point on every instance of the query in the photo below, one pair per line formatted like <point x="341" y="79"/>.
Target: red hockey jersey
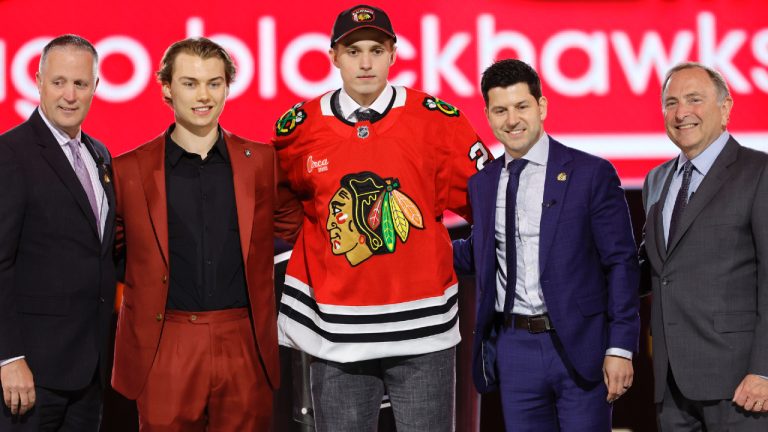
<point x="371" y="274"/>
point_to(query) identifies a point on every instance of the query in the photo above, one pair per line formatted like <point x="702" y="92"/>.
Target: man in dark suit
<point x="554" y="222"/>
<point x="706" y="250"/>
<point x="57" y="278"/>
<point x="198" y="209"/>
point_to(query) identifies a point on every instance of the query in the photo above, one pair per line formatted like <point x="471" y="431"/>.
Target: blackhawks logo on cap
<point x="362" y="15"/>
<point x="435" y="104"/>
<point x="288" y="121"/>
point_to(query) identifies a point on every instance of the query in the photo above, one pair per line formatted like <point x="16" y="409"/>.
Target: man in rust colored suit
<point x="197" y="212"/>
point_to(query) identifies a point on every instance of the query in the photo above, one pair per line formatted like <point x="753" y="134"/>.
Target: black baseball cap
<point x="361" y="16"/>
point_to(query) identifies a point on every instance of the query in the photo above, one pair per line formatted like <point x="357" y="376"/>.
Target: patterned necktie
<point x="515" y="168"/>
<point x="365" y="114"/>
<point x="82" y="174"/>
<point x="681" y="201"/>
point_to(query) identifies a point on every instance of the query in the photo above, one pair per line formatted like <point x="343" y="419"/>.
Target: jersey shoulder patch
<point x="434" y="104"/>
<point x="289" y="121"/>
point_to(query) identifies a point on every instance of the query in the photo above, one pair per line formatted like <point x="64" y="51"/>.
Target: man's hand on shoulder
<point x="752" y="393"/>
<point x="18" y="386"/>
<point x="617" y="374"/>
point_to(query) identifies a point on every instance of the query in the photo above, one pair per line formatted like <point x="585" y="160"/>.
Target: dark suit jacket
<point x="588" y="267"/>
<point x="265" y="208"/>
<point x="710" y="283"/>
<point x="57" y="280"/>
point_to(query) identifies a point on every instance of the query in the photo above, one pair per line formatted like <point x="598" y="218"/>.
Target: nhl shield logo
<point x="362" y="132"/>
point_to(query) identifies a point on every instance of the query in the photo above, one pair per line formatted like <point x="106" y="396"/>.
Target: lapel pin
<point x="247" y="152"/>
<point x="107" y="180"/>
<point x="562" y="177"/>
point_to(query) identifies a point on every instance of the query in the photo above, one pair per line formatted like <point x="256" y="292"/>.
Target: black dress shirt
<point x="206" y="263"/>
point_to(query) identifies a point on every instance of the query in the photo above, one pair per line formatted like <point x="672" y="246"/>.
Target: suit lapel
<point x="706" y="190"/>
<point x="484" y="187"/>
<point x="245" y="164"/>
<point x="657" y="214"/>
<point x="151" y="160"/>
<point x="558" y="177"/>
<point x="53" y="154"/>
<point x="488" y="187"/>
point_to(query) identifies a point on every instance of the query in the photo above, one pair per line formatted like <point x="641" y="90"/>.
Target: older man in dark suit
<point x="57" y="277"/>
<point x="706" y="241"/>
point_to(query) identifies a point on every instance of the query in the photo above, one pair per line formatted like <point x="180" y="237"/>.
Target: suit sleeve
<point x="288" y="214"/>
<point x="644" y="287"/>
<point x="12" y="204"/>
<point x="615" y="243"/>
<point x="759" y="358"/>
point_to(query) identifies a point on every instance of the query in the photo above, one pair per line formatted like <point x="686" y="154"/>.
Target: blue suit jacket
<point x="587" y="261"/>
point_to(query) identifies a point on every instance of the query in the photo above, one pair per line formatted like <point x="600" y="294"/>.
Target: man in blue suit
<point x="558" y="340"/>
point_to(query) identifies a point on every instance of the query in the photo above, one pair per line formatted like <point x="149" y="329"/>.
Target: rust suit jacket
<point x="265" y="208"/>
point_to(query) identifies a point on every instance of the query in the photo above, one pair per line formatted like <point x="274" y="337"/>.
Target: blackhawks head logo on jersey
<point x="367" y="214"/>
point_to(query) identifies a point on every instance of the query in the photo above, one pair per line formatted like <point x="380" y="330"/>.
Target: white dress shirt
<point x="529" y="298"/>
<point x="349" y="107"/>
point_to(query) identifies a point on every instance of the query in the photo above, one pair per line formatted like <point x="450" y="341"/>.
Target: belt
<point x="532" y="323"/>
<point x="206" y="317"/>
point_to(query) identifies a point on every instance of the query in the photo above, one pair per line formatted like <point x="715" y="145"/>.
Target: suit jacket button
<point x="101" y="299"/>
<point x="159" y="317"/>
<point x="165" y="278"/>
<point x="193" y="318"/>
<point x="665" y="282"/>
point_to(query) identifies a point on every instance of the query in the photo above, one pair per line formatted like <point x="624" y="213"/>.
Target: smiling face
<point x="516" y="117"/>
<point x="364" y="58"/>
<point x="197" y="92"/>
<point x="66" y="82"/>
<point x="693" y="115"/>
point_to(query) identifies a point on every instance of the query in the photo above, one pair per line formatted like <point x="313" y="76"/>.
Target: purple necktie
<point x="82" y="174"/>
<point x="515" y="167"/>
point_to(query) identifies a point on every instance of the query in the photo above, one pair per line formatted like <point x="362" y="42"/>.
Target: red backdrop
<point x="601" y="61"/>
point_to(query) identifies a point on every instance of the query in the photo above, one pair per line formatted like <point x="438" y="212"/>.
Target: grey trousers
<point x="677" y="413"/>
<point x="347" y="396"/>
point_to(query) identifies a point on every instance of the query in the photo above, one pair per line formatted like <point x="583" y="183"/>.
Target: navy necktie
<point x="681" y="200"/>
<point x="515" y="168"/>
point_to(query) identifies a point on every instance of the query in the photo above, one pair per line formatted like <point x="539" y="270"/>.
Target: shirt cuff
<point x="619" y="353"/>
<point x="10" y="360"/>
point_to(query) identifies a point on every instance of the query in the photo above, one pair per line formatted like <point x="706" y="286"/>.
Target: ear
<point x="393" y="56"/>
<point x="96" y="84"/>
<point x="39" y="81"/>
<point x="167" y="91"/>
<point x="542" y="108"/>
<point x="725" y="111"/>
<point x="333" y="55"/>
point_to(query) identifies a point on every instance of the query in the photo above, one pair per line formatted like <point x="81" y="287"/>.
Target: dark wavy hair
<point x="505" y="73"/>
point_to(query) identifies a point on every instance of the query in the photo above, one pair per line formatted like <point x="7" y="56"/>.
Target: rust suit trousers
<point x="206" y="376"/>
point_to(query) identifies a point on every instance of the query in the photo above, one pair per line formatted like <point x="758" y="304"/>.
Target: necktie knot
<point x="73" y="144"/>
<point x="365" y="114"/>
<point x="687" y="169"/>
<point x="516" y="166"/>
